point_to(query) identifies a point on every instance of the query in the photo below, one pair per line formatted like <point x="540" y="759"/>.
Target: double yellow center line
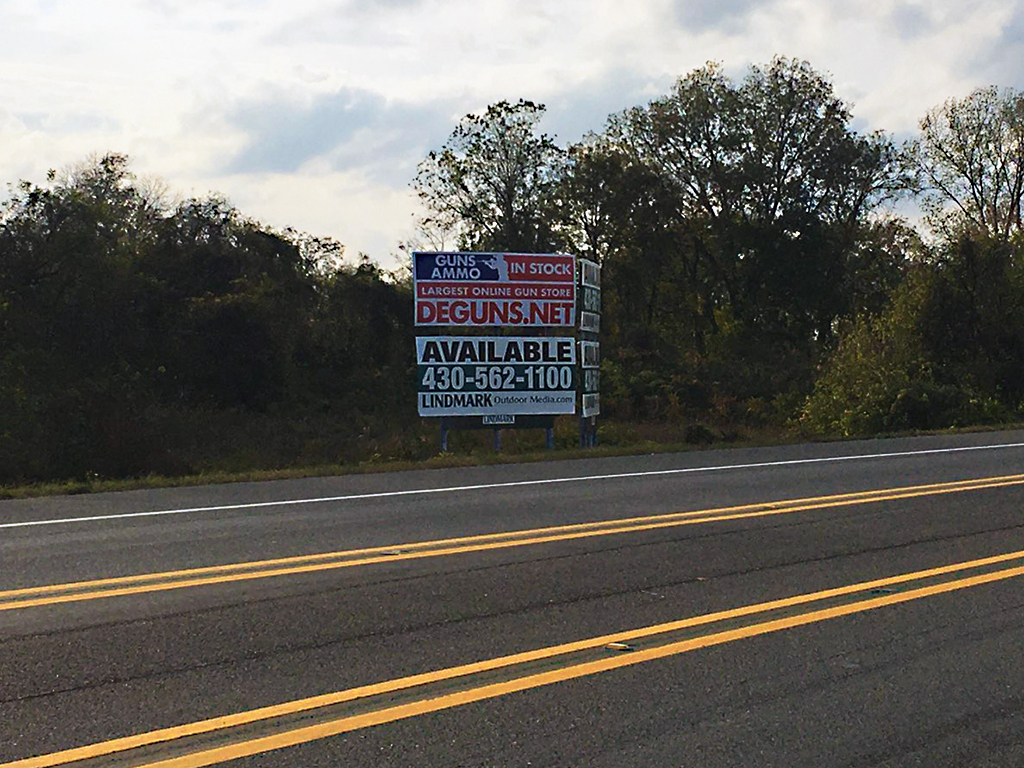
<point x="54" y="594"/>
<point x="217" y="740"/>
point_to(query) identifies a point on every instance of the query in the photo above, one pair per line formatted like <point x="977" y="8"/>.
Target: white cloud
<point x="364" y="216"/>
<point x="316" y="108"/>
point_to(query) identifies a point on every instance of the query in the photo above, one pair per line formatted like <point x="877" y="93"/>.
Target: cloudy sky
<point x="314" y="113"/>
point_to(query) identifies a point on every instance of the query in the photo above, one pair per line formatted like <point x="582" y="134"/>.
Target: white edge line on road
<point x="512" y="484"/>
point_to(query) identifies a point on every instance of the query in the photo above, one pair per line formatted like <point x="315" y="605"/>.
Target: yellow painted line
<point x="235" y="572"/>
<point x="114" y="746"/>
<point x="344" y="725"/>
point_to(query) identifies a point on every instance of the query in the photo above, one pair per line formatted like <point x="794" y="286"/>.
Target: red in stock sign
<point x="495" y="289"/>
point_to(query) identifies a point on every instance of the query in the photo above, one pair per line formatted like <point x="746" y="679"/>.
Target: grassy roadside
<point x="237" y="460"/>
<point x="473" y="449"/>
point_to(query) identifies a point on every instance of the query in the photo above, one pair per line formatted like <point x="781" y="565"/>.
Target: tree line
<point x="121" y="314"/>
<point x="754" y="266"/>
<point x="754" y="273"/>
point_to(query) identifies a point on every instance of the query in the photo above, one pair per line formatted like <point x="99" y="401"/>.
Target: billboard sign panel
<point x="495" y="375"/>
<point x="494" y="289"/>
<point x="590" y="274"/>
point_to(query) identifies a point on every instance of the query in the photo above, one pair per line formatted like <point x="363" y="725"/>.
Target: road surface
<point x="846" y="604"/>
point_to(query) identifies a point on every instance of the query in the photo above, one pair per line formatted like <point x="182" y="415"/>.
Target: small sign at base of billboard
<point x="496" y="419"/>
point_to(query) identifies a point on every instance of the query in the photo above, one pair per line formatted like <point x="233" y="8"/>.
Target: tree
<point x="361" y="350"/>
<point x="620" y="212"/>
<point x="139" y="337"/>
<point x="774" y="187"/>
<point x="231" y="301"/>
<point x="71" y="346"/>
<point x="113" y="306"/>
<point x="969" y="163"/>
<point x="972" y="320"/>
<point x="879" y="371"/>
<point x="492" y="180"/>
<point x="947" y="350"/>
<point x="594" y="196"/>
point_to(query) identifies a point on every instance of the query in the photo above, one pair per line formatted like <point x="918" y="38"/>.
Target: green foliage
<point x="973" y="319"/>
<point x="969" y="163"/>
<point x="773" y="188"/>
<point x="750" y="276"/>
<point x="361" y="353"/>
<point x="733" y="222"/>
<point x="946" y="352"/>
<point x="950" y="347"/>
<point x="117" y="312"/>
<point x="880" y="361"/>
<point x="491" y="182"/>
<point x="69" y="292"/>
<point x="234" y="303"/>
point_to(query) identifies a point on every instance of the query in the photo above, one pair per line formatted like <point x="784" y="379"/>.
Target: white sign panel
<point x="495" y="375"/>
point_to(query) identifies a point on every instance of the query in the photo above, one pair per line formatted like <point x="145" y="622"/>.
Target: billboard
<point x="590" y="354"/>
<point x="590" y="309"/>
<point x="590" y="347"/>
<point x="590" y="273"/>
<point x="495" y="375"/>
<point x="494" y="289"/>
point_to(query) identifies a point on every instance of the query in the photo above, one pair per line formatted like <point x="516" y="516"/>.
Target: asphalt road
<point x="883" y="657"/>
